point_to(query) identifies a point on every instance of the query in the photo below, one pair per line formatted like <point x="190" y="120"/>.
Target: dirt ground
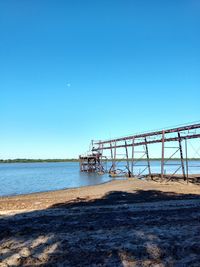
<point x="120" y="223"/>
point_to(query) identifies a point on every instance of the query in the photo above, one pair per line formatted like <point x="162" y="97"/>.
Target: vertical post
<point x="163" y="155"/>
<point x="132" y="160"/>
<point x="115" y="153"/>
<point x="186" y="155"/>
<point x="181" y="155"/>
<point x="111" y="153"/>
<point x="127" y="159"/>
<point x="101" y="168"/>
<point x="147" y="154"/>
<point x="148" y="160"/>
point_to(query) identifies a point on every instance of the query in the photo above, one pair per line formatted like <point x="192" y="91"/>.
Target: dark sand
<point x="121" y="223"/>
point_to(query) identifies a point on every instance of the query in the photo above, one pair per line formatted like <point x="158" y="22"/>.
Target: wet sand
<point x="120" y="223"/>
<point x="44" y="200"/>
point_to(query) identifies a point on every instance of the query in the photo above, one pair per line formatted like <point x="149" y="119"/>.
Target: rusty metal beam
<point x="153" y="141"/>
<point x="154" y="133"/>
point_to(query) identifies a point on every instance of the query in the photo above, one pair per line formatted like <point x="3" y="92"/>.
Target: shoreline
<point x="44" y="200"/>
<point x="55" y="190"/>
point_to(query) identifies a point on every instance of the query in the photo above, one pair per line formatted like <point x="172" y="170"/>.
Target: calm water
<point x="24" y="178"/>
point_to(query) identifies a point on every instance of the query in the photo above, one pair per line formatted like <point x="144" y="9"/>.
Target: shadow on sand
<point x="143" y="228"/>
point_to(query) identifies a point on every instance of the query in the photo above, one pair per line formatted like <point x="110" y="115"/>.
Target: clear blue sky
<point x="72" y="71"/>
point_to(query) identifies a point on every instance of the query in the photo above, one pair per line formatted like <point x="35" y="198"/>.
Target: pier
<point x="91" y="163"/>
<point x="136" y="149"/>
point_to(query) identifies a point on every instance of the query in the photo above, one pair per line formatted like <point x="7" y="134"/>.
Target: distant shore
<point x="36" y="160"/>
<point x="74" y="160"/>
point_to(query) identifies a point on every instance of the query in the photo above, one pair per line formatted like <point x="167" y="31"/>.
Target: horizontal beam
<point x="173" y="130"/>
<point x="149" y="142"/>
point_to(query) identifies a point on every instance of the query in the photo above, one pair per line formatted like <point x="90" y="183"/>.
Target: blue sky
<point x="72" y="71"/>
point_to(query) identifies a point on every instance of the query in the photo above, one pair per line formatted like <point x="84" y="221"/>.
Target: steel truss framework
<point x="143" y="144"/>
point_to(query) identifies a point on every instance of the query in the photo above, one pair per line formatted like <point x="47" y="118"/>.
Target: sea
<point x="26" y="178"/>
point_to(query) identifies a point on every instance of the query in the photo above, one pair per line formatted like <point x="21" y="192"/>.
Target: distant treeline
<point x="72" y="160"/>
<point x="36" y="160"/>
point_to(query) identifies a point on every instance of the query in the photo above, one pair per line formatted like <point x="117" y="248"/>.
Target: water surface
<point x="25" y="178"/>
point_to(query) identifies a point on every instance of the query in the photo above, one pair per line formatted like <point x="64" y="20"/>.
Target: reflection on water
<point x="24" y="178"/>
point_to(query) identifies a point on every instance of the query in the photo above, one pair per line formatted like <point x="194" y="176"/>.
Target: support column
<point x="132" y="159"/>
<point x="128" y="167"/>
<point x="101" y="168"/>
<point x="181" y="155"/>
<point x="111" y="153"/>
<point x="186" y="155"/>
<point x="163" y="155"/>
<point x="115" y="153"/>
<point x="148" y="160"/>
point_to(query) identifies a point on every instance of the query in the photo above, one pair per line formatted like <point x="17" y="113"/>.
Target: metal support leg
<point x="112" y="158"/>
<point x="115" y="153"/>
<point x="148" y="160"/>
<point x="186" y="158"/>
<point x="181" y="155"/>
<point x="132" y="160"/>
<point x="101" y="160"/>
<point x="128" y="167"/>
<point x="163" y="155"/>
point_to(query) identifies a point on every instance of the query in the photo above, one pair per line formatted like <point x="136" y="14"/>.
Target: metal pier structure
<point x="134" y="150"/>
<point x="91" y="163"/>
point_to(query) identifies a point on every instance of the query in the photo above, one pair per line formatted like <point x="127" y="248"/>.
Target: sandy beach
<point x="119" y="223"/>
<point x="37" y="201"/>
